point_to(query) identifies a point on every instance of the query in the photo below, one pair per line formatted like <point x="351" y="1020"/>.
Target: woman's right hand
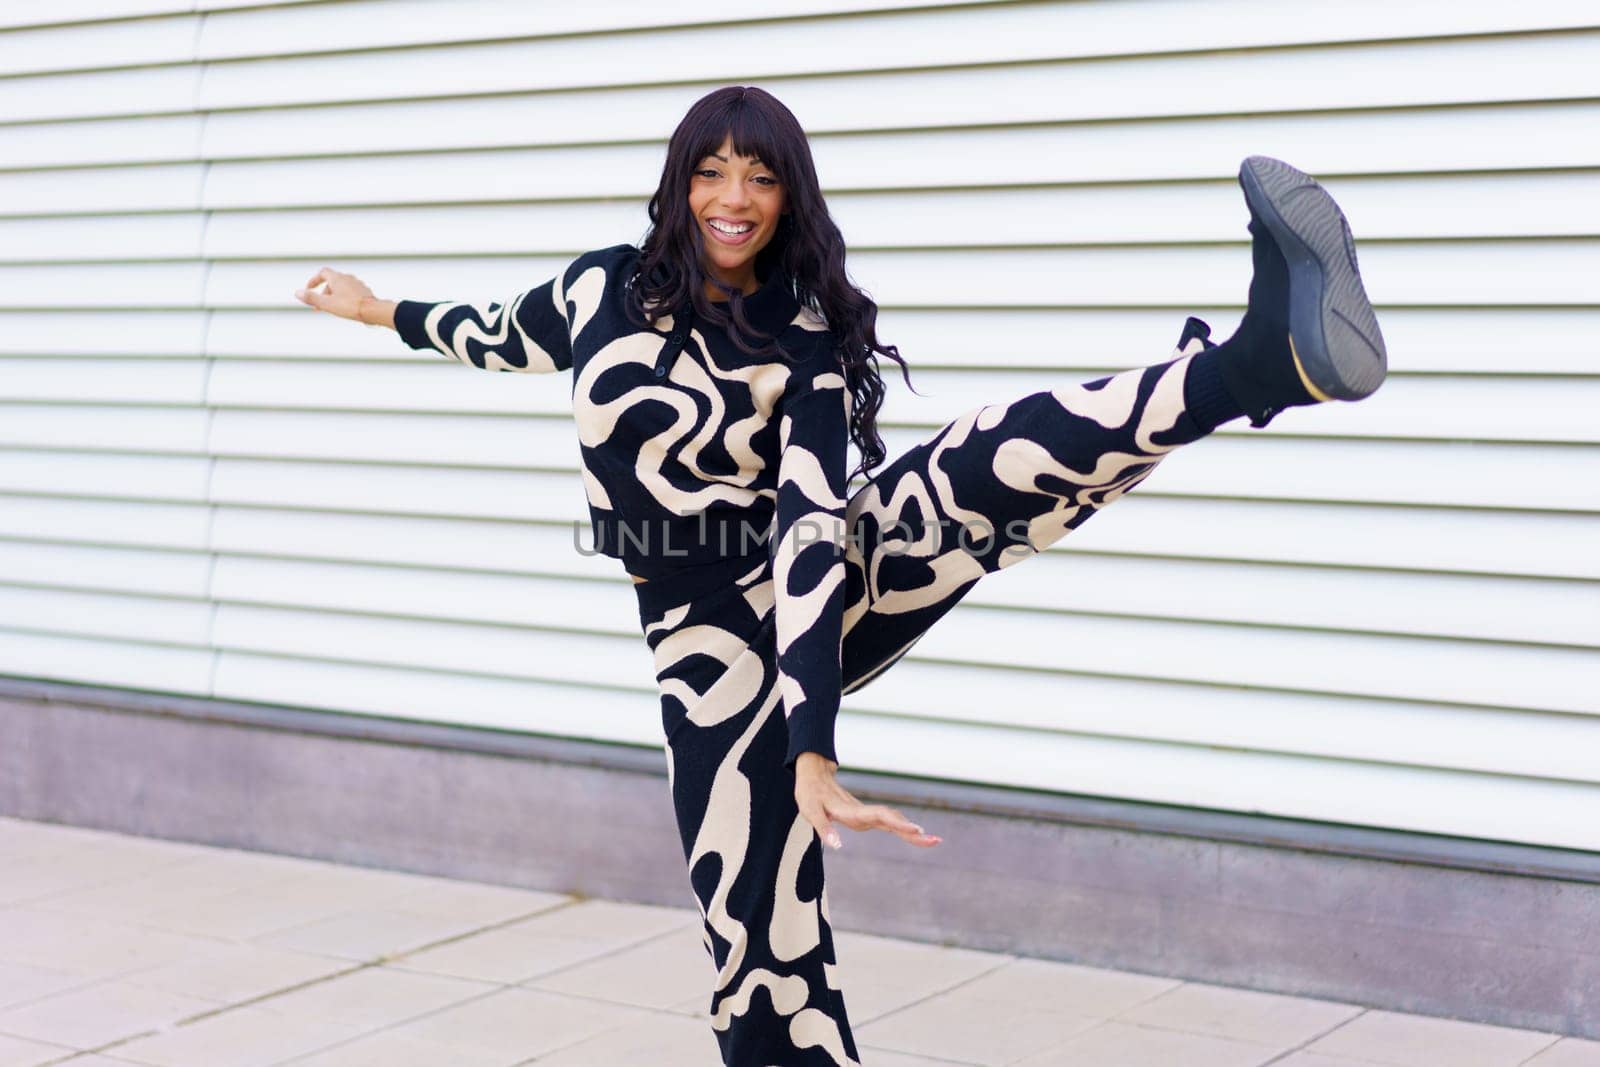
<point x="343" y="297"/>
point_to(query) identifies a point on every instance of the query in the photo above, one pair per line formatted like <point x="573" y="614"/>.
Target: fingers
<point x="824" y="827"/>
<point x="825" y="807"/>
<point x="309" y="295"/>
<point x="882" y="817"/>
<point x="816" y="813"/>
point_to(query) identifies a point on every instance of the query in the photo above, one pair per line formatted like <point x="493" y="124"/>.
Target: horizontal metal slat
<point x="99" y="569"/>
<point x="99" y="94"/>
<point x="1479" y="607"/>
<point x="427" y="382"/>
<point x="444" y="439"/>
<point x="177" y="479"/>
<point x="1403" y="537"/>
<point x="117" y="42"/>
<point x="1409" y="668"/>
<point x="72" y="238"/>
<point x="121" y="141"/>
<point x="138" y="618"/>
<point x="495" y="703"/>
<point x="128" y="665"/>
<point x="1494" y="807"/>
<point x="477" y="229"/>
<point x="90" y="381"/>
<point x="131" y="523"/>
<point x="74" y="191"/>
<point x="135" y="334"/>
<point x="501" y="547"/>
<point x="74" y="287"/>
<point x="1040" y="39"/>
<point x="379" y="25"/>
<point x="442" y="491"/>
<point x="1430" y="73"/>
<point x="1398" y="733"/>
<point x="445" y="596"/>
<point x="119" y="429"/>
<point x="500" y="651"/>
<point x="100" y="429"/>
<point x="65" y="11"/>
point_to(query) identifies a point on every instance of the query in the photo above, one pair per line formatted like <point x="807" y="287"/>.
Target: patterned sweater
<point x="695" y="455"/>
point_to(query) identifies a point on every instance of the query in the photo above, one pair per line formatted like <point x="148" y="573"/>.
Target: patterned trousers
<point x="986" y="491"/>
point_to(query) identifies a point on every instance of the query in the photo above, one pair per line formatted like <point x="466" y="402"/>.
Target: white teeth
<point x="729" y="229"/>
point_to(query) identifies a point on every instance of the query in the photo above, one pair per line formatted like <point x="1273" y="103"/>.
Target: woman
<point x="721" y="369"/>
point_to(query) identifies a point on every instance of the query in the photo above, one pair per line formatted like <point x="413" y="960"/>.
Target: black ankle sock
<point x="1256" y="366"/>
<point x="1206" y="399"/>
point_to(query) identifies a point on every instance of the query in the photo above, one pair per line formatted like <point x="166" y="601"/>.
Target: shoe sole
<point x="1333" y="331"/>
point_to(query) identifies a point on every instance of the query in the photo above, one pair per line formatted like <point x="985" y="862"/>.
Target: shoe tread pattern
<point x="1339" y="342"/>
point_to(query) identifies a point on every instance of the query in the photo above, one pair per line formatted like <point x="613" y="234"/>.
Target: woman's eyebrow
<point x="724" y="159"/>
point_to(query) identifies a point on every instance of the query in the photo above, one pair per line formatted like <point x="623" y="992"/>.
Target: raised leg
<point x="995" y="487"/>
<point x="1004" y="481"/>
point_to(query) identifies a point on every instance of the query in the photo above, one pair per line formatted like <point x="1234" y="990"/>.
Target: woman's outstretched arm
<point x="527" y="333"/>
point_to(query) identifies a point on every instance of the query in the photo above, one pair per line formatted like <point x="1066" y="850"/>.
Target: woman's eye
<point x="711" y="172"/>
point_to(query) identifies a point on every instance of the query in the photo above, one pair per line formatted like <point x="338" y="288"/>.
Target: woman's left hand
<point x="823" y="802"/>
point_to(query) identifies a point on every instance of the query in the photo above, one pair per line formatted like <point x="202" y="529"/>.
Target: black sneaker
<point x="1310" y="333"/>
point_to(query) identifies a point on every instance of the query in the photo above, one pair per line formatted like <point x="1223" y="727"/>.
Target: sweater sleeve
<point x="527" y="333"/>
<point x="808" y="560"/>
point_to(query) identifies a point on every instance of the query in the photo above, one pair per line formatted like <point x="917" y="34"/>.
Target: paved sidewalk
<point x="118" y="950"/>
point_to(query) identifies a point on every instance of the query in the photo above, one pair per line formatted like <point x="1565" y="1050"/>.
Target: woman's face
<point x="736" y="193"/>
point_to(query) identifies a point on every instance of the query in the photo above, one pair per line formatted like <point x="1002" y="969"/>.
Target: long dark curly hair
<point x="807" y="243"/>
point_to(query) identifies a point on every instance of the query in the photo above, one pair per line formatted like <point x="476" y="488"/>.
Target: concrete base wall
<point x="1464" y="929"/>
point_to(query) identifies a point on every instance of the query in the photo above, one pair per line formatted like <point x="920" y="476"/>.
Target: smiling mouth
<point x="730" y="236"/>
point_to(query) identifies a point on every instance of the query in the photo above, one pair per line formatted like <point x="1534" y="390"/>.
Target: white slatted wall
<point x="1384" y="614"/>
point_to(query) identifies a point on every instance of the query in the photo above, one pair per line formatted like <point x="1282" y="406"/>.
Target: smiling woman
<point x="739" y="202"/>
<point x="721" y="370"/>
